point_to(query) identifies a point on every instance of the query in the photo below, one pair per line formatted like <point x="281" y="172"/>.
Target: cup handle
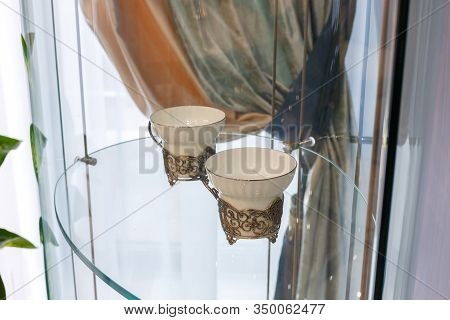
<point x="213" y="190"/>
<point x="159" y="143"/>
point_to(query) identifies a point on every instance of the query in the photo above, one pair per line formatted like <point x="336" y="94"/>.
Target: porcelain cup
<point x="187" y="130"/>
<point x="250" y="178"/>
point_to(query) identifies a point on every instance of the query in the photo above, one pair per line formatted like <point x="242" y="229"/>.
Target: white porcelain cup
<point x="250" y="178"/>
<point x="187" y="130"/>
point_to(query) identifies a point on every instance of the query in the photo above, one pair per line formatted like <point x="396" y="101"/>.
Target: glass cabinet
<point x="309" y="78"/>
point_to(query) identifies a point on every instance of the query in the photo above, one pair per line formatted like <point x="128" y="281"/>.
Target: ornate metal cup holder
<point x="182" y="167"/>
<point x="185" y="168"/>
<point x="248" y="223"/>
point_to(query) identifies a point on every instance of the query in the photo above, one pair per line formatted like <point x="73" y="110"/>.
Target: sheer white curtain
<point x="19" y="200"/>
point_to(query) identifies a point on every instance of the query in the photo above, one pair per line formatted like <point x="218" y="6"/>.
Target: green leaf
<point x="6" y="145"/>
<point x="10" y="239"/>
<point x="2" y="290"/>
<point x="25" y="52"/>
<point x="44" y="229"/>
<point x="38" y="142"/>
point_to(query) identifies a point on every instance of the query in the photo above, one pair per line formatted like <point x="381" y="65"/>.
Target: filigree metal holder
<point x="251" y="223"/>
<point x="182" y="167"/>
<point x="185" y="168"/>
<point x="248" y="223"/>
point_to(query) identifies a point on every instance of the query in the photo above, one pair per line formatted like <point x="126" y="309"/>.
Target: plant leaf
<point x="6" y="145"/>
<point x="38" y="142"/>
<point x="2" y="290"/>
<point x="10" y="239"/>
<point x="25" y="52"/>
<point x="44" y="230"/>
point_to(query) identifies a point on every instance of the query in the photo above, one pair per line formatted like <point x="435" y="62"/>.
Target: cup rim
<point x="185" y="107"/>
<point x="264" y="179"/>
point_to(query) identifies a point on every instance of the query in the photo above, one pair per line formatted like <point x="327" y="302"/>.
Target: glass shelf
<point x="147" y="240"/>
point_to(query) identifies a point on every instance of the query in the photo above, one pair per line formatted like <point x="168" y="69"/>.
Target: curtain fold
<point x="212" y="53"/>
<point x="140" y="39"/>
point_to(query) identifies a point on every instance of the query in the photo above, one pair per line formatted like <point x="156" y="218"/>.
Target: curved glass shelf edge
<point x="107" y="279"/>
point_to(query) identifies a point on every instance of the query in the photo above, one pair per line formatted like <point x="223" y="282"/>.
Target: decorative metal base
<point x="185" y="168"/>
<point x="251" y="223"/>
